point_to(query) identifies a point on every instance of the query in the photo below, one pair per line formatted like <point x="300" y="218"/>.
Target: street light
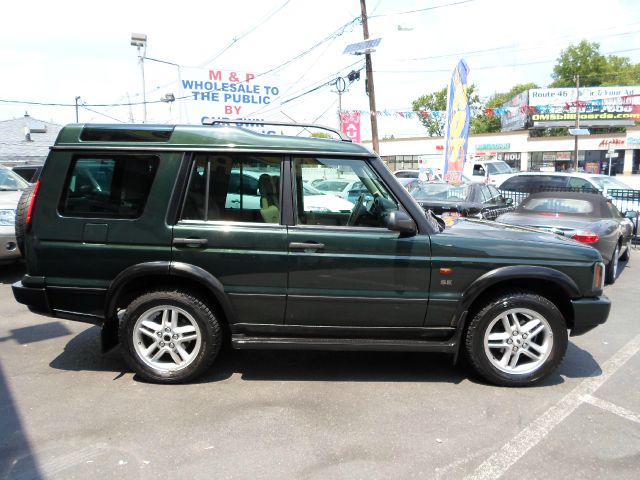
<point x="139" y="40"/>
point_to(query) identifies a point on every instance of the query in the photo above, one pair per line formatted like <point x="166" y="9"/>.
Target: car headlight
<point x="7" y="216"/>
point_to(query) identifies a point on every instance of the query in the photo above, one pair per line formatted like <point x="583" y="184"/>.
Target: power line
<point x="421" y="9"/>
<point x="245" y="33"/>
<point x="490" y="67"/>
<point x="508" y="47"/>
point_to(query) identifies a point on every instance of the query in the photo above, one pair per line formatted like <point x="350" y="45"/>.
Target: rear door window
<point x="235" y="188"/>
<point x="108" y="186"/>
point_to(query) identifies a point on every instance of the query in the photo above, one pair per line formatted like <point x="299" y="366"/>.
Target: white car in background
<point x="11" y="187"/>
<point x="491" y="172"/>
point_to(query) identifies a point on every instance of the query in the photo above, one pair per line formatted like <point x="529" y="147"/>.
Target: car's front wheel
<point x="516" y="339"/>
<point x="169" y="336"/>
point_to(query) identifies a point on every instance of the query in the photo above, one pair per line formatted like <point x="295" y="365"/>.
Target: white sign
<point x="562" y="96"/>
<point x="226" y="95"/>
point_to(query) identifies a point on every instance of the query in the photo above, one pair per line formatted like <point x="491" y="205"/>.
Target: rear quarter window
<point x="108" y="186"/>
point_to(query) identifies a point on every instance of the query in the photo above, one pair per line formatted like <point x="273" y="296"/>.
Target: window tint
<point x="233" y="188"/>
<point x="577" y="182"/>
<point x="111" y="187"/>
<point x="367" y="202"/>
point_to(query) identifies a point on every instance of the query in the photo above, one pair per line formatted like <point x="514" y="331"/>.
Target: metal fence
<point x="624" y="200"/>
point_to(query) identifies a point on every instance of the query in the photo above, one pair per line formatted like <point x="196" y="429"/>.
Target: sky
<point x="53" y="52"/>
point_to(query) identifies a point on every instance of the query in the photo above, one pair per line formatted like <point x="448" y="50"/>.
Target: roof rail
<point x="341" y="135"/>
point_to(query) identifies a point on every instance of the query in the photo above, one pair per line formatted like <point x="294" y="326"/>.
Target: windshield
<point x="439" y="191"/>
<point x="10" y="181"/>
<point x="557" y="205"/>
<point x="610" y="183"/>
<point x="498" y="168"/>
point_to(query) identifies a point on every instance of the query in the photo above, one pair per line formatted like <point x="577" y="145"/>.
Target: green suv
<point x="176" y="239"/>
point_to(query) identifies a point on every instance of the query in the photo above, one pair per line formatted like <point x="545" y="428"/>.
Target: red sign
<point x="351" y="125"/>
<point x="613" y="141"/>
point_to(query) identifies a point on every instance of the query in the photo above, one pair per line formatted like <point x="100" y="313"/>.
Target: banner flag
<point x="457" y="123"/>
<point x="351" y="125"/>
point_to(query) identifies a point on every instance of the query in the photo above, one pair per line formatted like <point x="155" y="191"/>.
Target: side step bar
<point x="241" y="341"/>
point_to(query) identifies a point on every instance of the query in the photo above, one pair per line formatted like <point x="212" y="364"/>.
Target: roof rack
<point x="341" y="135"/>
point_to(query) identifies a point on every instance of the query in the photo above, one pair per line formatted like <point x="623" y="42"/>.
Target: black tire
<point x="528" y="308"/>
<point x="21" y="216"/>
<point x="626" y="256"/>
<point x="611" y="270"/>
<point x="174" y="340"/>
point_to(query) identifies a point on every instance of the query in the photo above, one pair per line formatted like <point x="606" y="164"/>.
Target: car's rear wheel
<point x="611" y="272"/>
<point x="516" y="339"/>
<point x="170" y="336"/>
<point x="21" y="216"/>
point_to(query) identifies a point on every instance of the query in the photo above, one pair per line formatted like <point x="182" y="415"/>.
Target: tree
<point x="583" y="59"/>
<point x="437" y="102"/>
<point x="594" y="68"/>
<point x="432" y="102"/>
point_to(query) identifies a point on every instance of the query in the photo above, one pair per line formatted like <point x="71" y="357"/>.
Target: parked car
<point x="535" y="181"/>
<point x="430" y="174"/>
<point x="464" y="200"/>
<point x="491" y="172"/>
<point x="148" y="247"/>
<point x="586" y="217"/>
<point x="337" y="186"/>
<point x="29" y="172"/>
<point x="523" y="183"/>
<point x="11" y="187"/>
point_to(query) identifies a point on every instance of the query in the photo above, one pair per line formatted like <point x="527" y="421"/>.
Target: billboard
<point x="515" y="116"/>
<point x="225" y="94"/>
<point x="457" y="123"/>
<point x="598" y="106"/>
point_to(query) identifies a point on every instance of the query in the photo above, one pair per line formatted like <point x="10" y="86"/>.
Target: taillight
<point x="32" y="202"/>
<point x="585" y="236"/>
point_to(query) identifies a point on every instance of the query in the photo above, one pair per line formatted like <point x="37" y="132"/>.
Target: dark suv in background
<point x="176" y="238"/>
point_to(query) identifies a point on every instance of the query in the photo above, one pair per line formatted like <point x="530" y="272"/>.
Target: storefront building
<point x="525" y="153"/>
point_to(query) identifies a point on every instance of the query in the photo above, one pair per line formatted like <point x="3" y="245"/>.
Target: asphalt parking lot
<point x="67" y="412"/>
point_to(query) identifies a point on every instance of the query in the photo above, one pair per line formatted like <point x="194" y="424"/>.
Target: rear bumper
<point x="588" y="313"/>
<point x="34" y="297"/>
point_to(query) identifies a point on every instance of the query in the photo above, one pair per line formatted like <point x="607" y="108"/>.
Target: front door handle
<point x="306" y="246"/>
<point x="190" y="242"/>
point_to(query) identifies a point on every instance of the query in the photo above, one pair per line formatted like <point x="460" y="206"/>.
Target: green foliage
<point x="321" y="135"/>
<point x="594" y="68"/>
<point x="437" y="101"/>
<point x="480" y="123"/>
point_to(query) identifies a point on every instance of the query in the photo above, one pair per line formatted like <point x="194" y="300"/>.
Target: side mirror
<point x="401" y="222"/>
<point x="508" y="201"/>
<point x="631" y="214"/>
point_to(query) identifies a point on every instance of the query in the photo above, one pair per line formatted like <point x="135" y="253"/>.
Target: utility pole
<point x="372" y="94"/>
<point x="341" y="86"/>
<point x="575" y="159"/>
<point x="77" y="98"/>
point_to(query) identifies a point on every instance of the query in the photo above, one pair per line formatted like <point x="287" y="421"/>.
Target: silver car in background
<point x="11" y="187"/>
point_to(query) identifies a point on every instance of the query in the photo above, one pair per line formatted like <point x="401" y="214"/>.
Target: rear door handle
<point x="306" y="246"/>
<point x="190" y="242"/>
